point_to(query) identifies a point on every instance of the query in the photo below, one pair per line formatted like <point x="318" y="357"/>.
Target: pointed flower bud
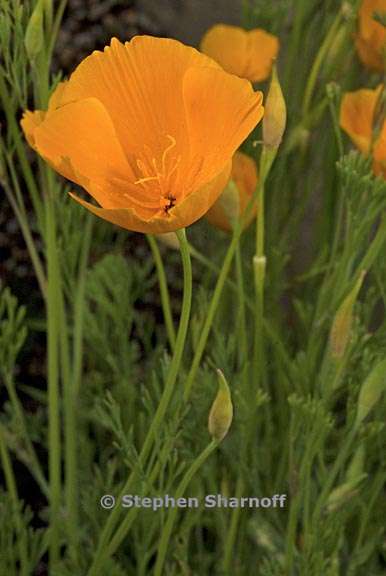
<point x="371" y="391"/>
<point x="221" y="413"/>
<point x="275" y="115"/>
<point x="341" y="327"/>
<point x="34" y="35"/>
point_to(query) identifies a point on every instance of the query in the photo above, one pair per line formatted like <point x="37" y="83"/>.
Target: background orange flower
<point x="149" y="129"/>
<point x="233" y="201"/>
<point x="371" y="38"/>
<point x="248" y="54"/>
<point x="357" y="117"/>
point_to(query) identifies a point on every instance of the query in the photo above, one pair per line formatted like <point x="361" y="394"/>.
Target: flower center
<point x="161" y="172"/>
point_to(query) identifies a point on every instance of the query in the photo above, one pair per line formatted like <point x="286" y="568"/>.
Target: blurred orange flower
<point x="357" y="118"/>
<point x="234" y="199"/>
<point x="371" y="38"/>
<point x="149" y="129"/>
<point x="246" y="54"/>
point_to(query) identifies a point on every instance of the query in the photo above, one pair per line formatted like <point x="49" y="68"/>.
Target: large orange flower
<point x="371" y="38"/>
<point x="148" y="128"/>
<point x="357" y="118"/>
<point x="246" y="54"/>
<point x="232" y="203"/>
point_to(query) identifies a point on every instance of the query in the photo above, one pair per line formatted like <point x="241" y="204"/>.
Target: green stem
<point x="320" y="57"/>
<point x="165" y="298"/>
<point x="53" y="320"/>
<point x="232" y="532"/>
<point x="211" y="312"/>
<point x="243" y="340"/>
<point x="70" y="434"/>
<point x="167" y="530"/>
<point x="171" y="379"/>
<point x="259" y="264"/>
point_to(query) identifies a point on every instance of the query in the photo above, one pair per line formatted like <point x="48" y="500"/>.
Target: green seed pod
<point x="275" y="114"/>
<point x="341" y="327"/>
<point x="34" y="35"/>
<point x="371" y="391"/>
<point x="221" y="413"/>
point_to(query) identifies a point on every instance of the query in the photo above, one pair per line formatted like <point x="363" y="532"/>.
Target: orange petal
<point x="183" y="215"/>
<point x="140" y="85"/>
<point x="227" y="45"/>
<point x="369" y="55"/>
<point x="371" y="38"/>
<point x="246" y="54"/>
<point x="222" y="110"/>
<point x="357" y="116"/>
<point x="29" y="122"/>
<point x="379" y="151"/>
<point x="262" y="51"/>
<point x="79" y="139"/>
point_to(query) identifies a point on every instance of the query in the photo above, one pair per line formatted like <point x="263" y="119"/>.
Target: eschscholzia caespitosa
<point x="248" y="54"/>
<point x="358" y="118"/>
<point x="148" y="128"/>
<point x="233" y="201"/>
<point x="371" y="37"/>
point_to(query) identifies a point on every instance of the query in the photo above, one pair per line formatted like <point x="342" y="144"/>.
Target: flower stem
<point x="53" y="320"/>
<point x="165" y="298"/>
<point x="167" y="530"/>
<point x="320" y="57"/>
<point x="101" y="555"/>
<point x="259" y="263"/>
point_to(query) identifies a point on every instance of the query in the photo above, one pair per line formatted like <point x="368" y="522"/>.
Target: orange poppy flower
<point x="149" y="129"/>
<point x="357" y="120"/>
<point x="371" y="38"/>
<point x="248" y="54"/>
<point x="235" y="198"/>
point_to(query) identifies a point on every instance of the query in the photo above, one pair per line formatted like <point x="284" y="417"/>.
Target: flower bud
<point x="371" y="391"/>
<point x="221" y="413"/>
<point x="34" y="35"/>
<point x="275" y="115"/>
<point x="341" y="327"/>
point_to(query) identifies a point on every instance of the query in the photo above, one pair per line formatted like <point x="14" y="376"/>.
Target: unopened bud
<point x="275" y="115"/>
<point x="34" y="35"/>
<point x="371" y="391"/>
<point x="341" y="327"/>
<point x="221" y="413"/>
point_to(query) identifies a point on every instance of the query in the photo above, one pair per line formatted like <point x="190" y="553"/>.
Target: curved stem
<point x="167" y="530"/>
<point x="163" y="286"/>
<point x="319" y="61"/>
<point x="101" y="555"/>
